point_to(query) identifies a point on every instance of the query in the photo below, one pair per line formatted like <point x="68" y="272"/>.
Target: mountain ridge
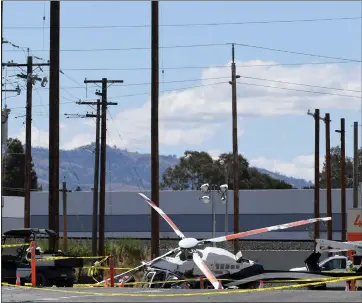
<point x="125" y="170"/>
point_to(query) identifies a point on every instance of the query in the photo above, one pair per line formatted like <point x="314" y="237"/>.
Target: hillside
<point x="128" y="171"/>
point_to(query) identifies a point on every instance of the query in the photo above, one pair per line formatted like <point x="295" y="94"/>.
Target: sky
<point x="274" y="130"/>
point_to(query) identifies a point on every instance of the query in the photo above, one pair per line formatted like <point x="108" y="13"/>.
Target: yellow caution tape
<point x="14" y="245"/>
<point x="94" y="269"/>
<point x="101" y="284"/>
<point x="192" y="294"/>
<point x="107" y="268"/>
<point x="304" y="280"/>
<point x="65" y="258"/>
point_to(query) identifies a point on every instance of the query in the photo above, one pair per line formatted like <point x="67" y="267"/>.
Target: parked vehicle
<point x="16" y="261"/>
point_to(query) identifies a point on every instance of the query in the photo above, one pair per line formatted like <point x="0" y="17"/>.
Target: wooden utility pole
<point x="53" y="217"/>
<point x="27" y="185"/>
<point x="343" y="179"/>
<point x="235" y="148"/>
<point x="155" y="192"/>
<point x="355" y="164"/>
<point x="102" y="187"/>
<point x="96" y="175"/>
<point x="317" y="118"/>
<point x="65" y="229"/>
<point x="328" y="174"/>
<point x="30" y="80"/>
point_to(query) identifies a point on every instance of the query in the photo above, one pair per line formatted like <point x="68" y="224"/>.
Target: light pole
<point x="205" y="188"/>
<point x="224" y="194"/>
<point x="224" y="200"/>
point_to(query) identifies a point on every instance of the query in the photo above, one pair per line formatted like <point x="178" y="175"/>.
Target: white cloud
<point x="299" y="167"/>
<point x="39" y="137"/>
<point x="193" y="115"/>
<point x="214" y="153"/>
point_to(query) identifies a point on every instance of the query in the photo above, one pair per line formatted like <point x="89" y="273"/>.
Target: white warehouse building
<point x="127" y="215"/>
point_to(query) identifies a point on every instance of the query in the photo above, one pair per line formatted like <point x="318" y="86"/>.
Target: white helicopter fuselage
<point x="219" y="261"/>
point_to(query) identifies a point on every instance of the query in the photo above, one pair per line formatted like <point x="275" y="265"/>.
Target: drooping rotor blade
<point x="145" y="264"/>
<point x="205" y="270"/>
<point x="265" y="229"/>
<point x="163" y="215"/>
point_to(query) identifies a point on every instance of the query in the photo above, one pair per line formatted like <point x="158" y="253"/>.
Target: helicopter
<point x="190" y="261"/>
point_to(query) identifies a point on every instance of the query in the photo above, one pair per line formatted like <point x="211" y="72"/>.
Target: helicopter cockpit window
<point x="237" y="266"/>
<point x="222" y="266"/>
<point x="227" y="266"/>
<point x="232" y="267"/>
<point x="217" y="266"/>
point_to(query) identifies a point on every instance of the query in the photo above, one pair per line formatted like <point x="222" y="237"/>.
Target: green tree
<point x="336" y="169"/>
<point x="78" y="188"/>
<point x="14" y="170"/>
<point x="196" y="168"/>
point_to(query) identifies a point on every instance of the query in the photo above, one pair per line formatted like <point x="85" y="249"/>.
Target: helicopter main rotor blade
<point x="265" y="229"/>
<point x="205" y="270"/>
<point x="163" y="215"/>
<point x="145" y="264"/>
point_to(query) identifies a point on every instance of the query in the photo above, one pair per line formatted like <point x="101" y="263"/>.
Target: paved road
<point x="12" y="294"/>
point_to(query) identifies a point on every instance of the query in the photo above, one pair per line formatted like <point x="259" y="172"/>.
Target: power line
<point x="219" y="78"/>
<point x="199" y="45"/>
<point x="186" y="24"/>
<point x="301" y="84"/>
<point x="149" y="83"/>
<point x="299" y="90"/>
<point x="296" y="53"/>
<point x="130" y="48"/>
<point x="203" y="85"/>
<point x="202" y="67"/>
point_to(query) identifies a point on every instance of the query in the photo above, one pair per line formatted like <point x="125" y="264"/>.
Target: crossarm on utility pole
<point x="11" y="64"/>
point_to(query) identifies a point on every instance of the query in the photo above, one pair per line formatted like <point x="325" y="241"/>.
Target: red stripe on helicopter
<point x="161" y="212"/>
<point x="271" y="228"/>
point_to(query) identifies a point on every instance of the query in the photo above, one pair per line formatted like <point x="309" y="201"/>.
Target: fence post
<point x="33" y="265"/>
<point x="111" y="269"/>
